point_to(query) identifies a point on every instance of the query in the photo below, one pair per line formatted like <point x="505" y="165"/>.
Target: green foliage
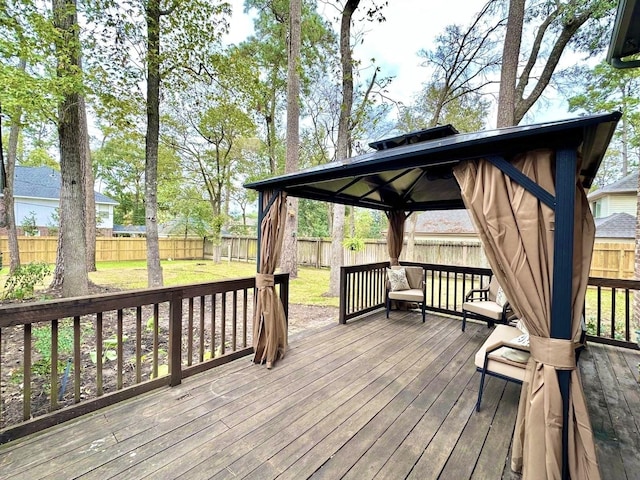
<point x="151" y="323"/>
<point x="109" y="352"/>
<point x="605" y="89"/>
<point x="29" y="225"/>
<point x="43" y="340"/>
<point x="42" y="345"/>
<point x="21" y="283"/>
<point x="354" y="244"/>
<point x="313" y="219"/>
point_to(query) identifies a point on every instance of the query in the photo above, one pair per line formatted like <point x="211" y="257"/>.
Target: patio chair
<point x="488" y="304"/>
<point x="505" y="354"/>
<point x="412" y="289"/>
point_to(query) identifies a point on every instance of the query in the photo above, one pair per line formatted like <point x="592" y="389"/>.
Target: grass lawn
<point x="307" y="289"/>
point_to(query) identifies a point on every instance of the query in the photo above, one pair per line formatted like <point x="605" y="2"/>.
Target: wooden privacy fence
<point x="610" y="260"/>
<point x="43" y="249"/>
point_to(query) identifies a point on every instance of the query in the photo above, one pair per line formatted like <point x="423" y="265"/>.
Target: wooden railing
<point x="64" y="358"/>
<point x="608" y="308"/>
<point x="362" y="287"/>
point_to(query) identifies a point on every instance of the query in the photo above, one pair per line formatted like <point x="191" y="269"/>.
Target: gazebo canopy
<point x="524" y="186"/>
<point x="413" y="172"/>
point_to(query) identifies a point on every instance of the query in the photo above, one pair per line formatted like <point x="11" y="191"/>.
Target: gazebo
<point x="524" y="187"/>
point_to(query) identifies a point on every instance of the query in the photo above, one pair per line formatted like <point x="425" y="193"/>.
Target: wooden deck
<point x="375" y="398"/>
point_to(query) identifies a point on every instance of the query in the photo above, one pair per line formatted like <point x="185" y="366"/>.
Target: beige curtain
<point x="395" y="234"/>
<point x="269" y="321"/>
<point x="517" y="234"/>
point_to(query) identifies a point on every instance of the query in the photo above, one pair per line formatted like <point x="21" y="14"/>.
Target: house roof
<point x="418" y="176"/>
<point x="628" y="184"/>
<point x="625" y="38"/>
<point x="44" y="182"/>
<point x="618" y="225"/>
<point x="453" y="222"/>
<point x="130" y="229"/>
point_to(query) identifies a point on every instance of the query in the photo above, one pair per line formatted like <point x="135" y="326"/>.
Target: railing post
<point x="342" y="318"/>
<point x="284" y="296"/>
<point x="175" y="340"/>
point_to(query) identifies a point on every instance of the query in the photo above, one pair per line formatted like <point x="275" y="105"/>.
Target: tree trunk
<point x="509" y="70"/>
<point x="73" y="258"/>
<point x="289" y="258"/>
<point x="344" y="141"/>
<point x="9" y="204"/>
<point x="411" y="237"/>
<point x="154" y="269"/>
<point x="90" y="198"/>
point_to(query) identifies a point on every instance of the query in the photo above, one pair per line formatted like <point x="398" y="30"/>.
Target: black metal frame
<point x="507" y="311"/>
<point x="483" y="371"/>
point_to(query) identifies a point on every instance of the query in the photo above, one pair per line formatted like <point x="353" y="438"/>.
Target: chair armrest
<point x="483" y="294"/>
<point x="502" y="343"/>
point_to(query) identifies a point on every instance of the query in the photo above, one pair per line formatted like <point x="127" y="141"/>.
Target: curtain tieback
<point x="555" y="352"/>
<point x="264" y="280"/>
<point x="394" y="261"/>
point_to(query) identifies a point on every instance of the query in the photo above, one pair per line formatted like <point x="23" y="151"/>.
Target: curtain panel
<point x="269" y="321"/>
<point x="517" y="232"/>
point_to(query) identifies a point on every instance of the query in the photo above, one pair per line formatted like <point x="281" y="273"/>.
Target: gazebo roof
<point x="418" y="176"/>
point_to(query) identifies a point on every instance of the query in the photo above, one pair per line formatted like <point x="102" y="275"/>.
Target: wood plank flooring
<point x="376" y="398"/>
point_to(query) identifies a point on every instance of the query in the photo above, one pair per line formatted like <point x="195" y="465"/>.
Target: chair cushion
<point x="411" y="295"/>
<point x="398" y="279"/>
<point x="414" y="276"/>
<point x="486" y="308"/>
<point x="497" y="362"/>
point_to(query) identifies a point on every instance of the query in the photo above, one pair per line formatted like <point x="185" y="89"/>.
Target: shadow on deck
<point x="376" y="398"/>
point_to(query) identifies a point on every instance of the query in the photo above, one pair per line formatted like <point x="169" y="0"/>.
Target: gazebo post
<point x="561" y="307"/>
<point x="260" y="218"/>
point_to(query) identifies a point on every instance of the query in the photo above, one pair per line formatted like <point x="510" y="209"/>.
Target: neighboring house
<point x="129" y="231"/>
<point x="618" y="197"/>
<point x="616" y="228"/>
<point x="36" y="192"/>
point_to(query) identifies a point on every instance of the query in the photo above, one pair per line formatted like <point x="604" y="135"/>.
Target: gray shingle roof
<point x="618" y="225"/>
<point x="628" y="184"/>
<point x="44" y="182"/>
<point x="445" y="221"/>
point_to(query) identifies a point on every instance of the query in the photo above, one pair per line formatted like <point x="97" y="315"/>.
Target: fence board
<point x="43" y="249"/>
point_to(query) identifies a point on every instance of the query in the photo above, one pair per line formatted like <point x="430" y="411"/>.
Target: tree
<point x="343" y="147"/>
<point x="346" y="125"/>
<point x="210" y="144"/>
<point x="28" y="93"/>
<point x="71" y="263"/>
<point x="191" y="31"/>
<point x="461" y="62"/>
<point x="119" y="166"/>
<point x="607" y="89"/>
<point x="289" y="258"/>
<point x="583" y="24"/>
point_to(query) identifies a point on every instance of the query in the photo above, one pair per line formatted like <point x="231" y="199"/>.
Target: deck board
<point x="376" y="398"/>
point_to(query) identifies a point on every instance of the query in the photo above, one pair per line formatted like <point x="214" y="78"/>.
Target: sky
<point x="409" y="27"/>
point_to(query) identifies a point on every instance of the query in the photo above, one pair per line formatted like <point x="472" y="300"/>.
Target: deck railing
<point x="63" y="358"/>
<point x="362" y="287"/>
<point x="608" y="303"/>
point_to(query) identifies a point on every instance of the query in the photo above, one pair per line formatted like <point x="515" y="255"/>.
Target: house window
<point x="102" y="213"/>
<point x="597" y="209"/>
